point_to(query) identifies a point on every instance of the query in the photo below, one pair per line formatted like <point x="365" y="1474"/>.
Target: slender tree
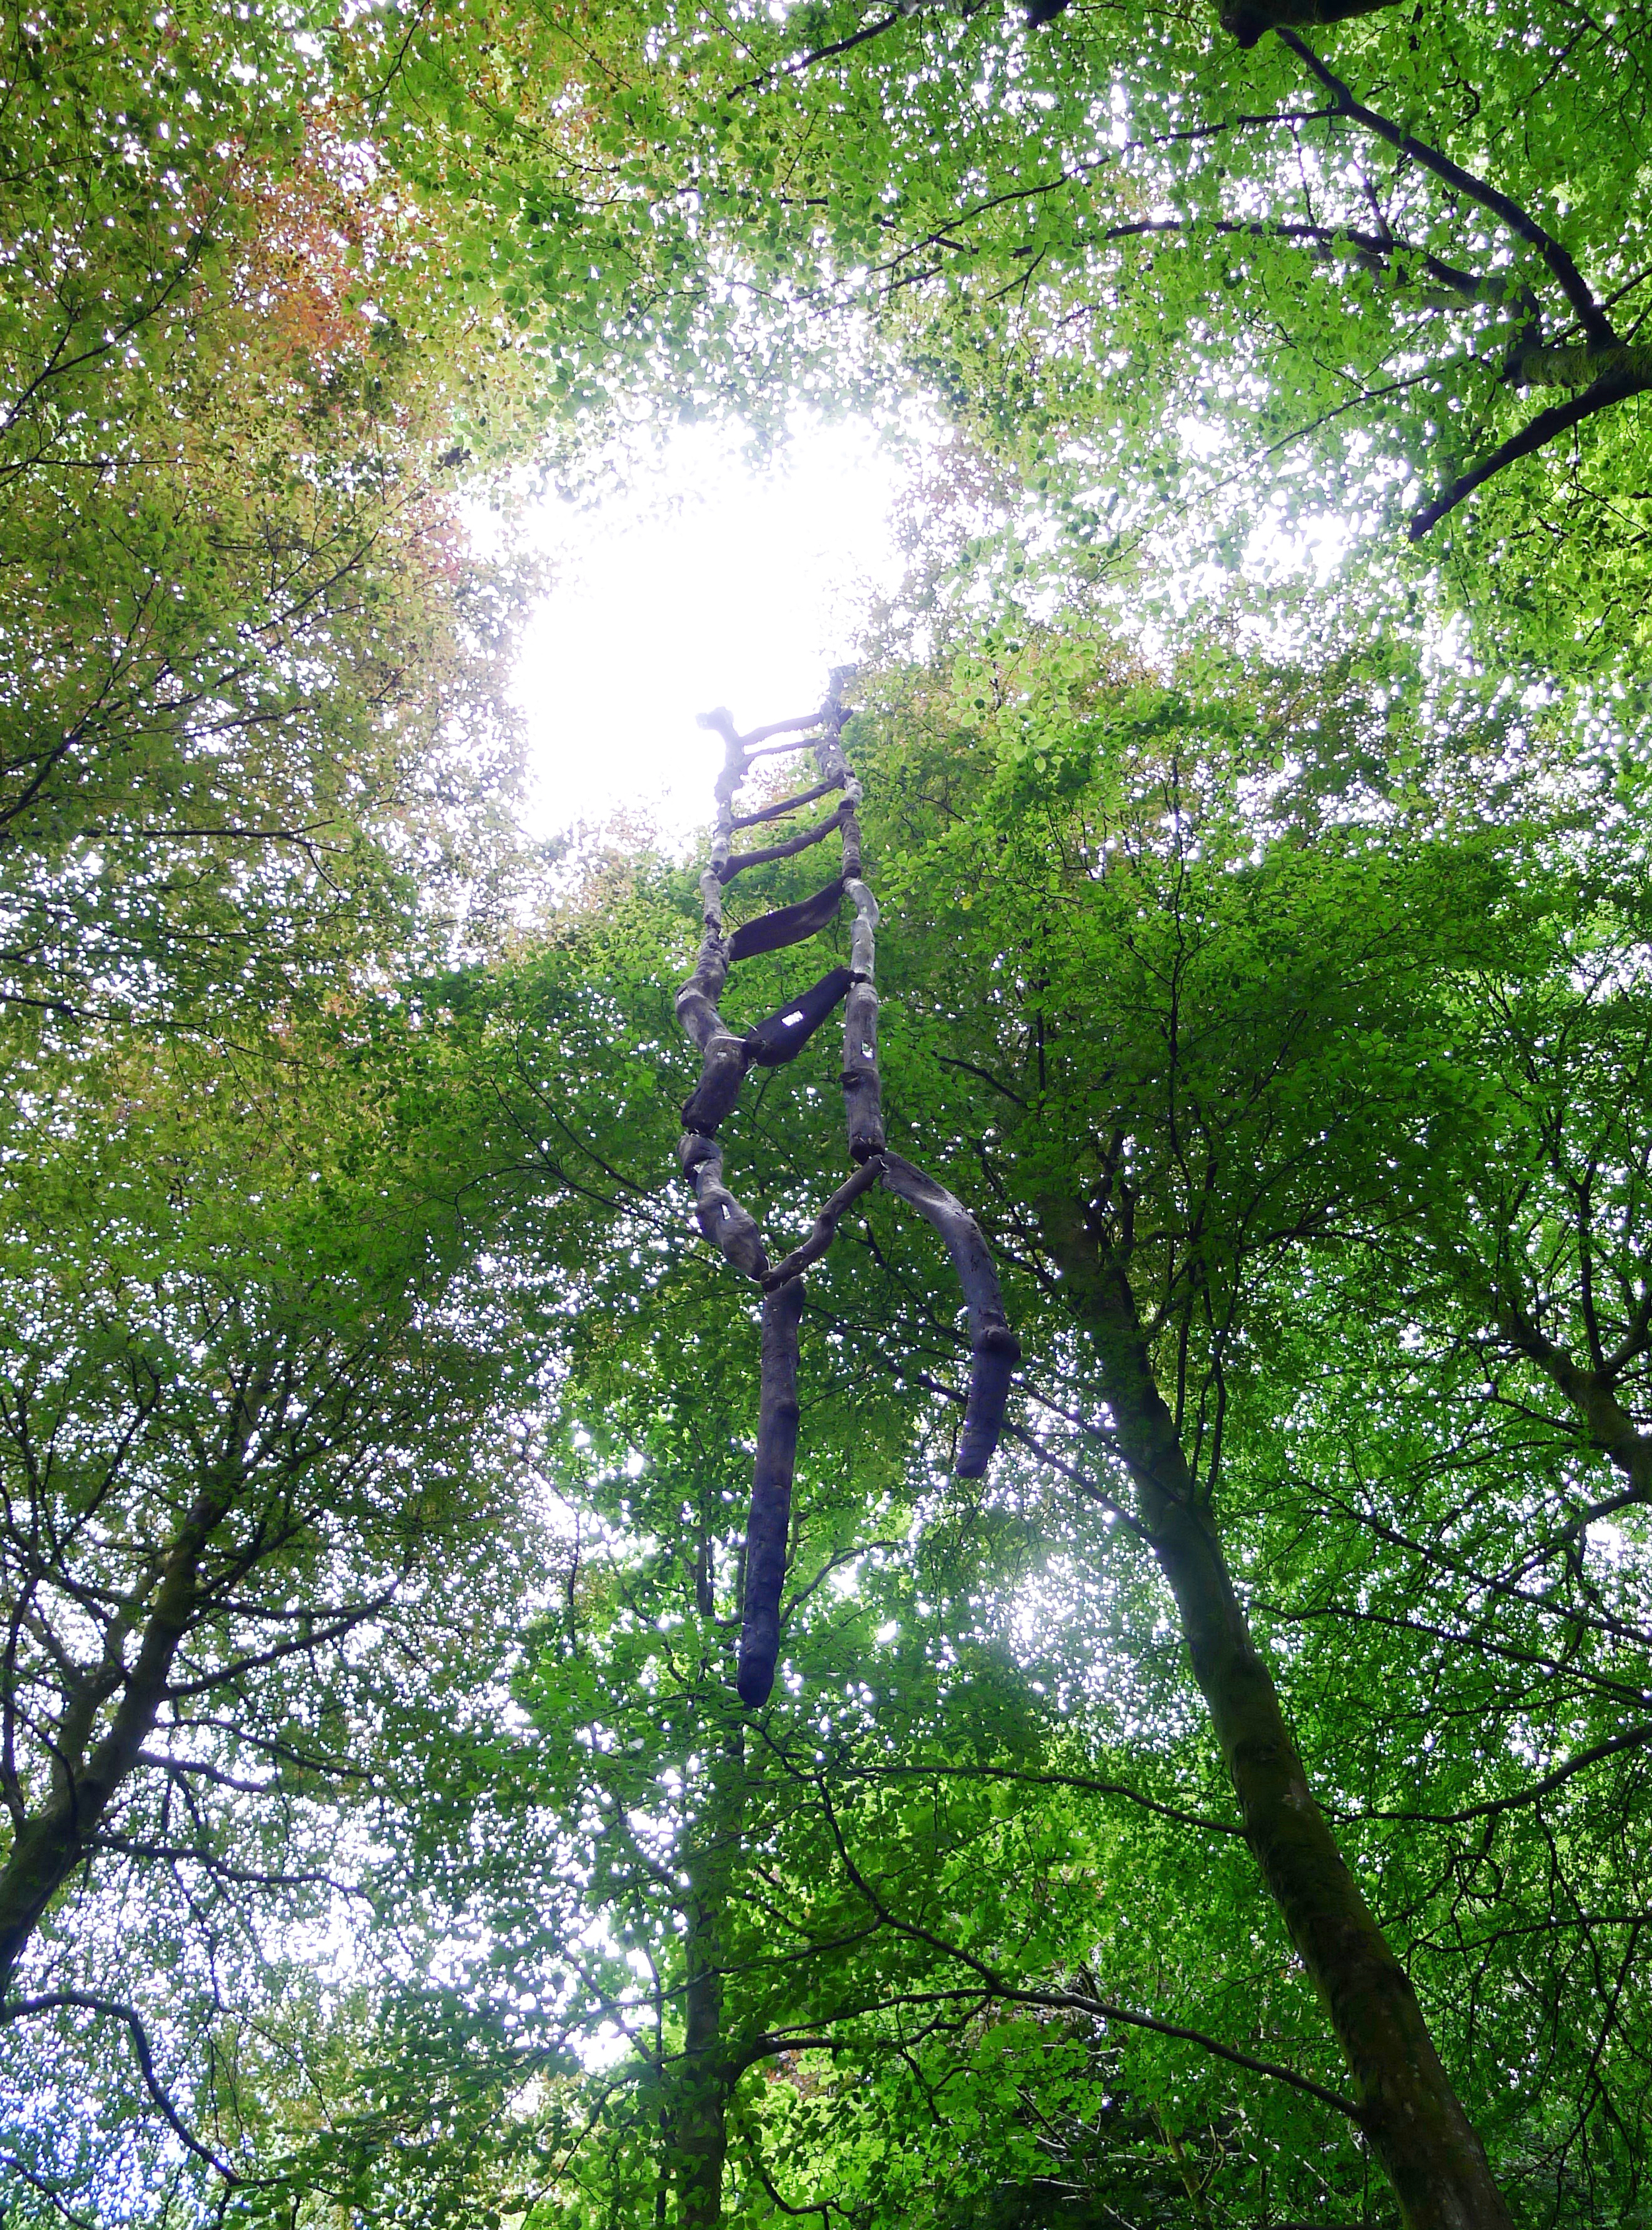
<point x="253" y="1428"/>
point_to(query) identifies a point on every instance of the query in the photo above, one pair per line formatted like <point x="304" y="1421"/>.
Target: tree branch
<point x="1543" y="430"/>
<point x="995" y="1986"/>
<point x="1632" y="1739"/>
<point x="64" y="2000"/>
<point x="1590" y="316"/>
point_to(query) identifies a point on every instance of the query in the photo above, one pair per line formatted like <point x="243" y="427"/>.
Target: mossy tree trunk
<point x="1408" y="2110"/>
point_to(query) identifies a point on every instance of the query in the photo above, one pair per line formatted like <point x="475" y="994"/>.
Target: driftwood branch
<point x="1578" y="367"/>
<point x="994" y="1348"/>
<point x="826" y="1224"/>
<point x="782" y="728"/>
<point x="770" y="751"/>
<point x="828" y="758"/>
<point x="720" y="1078"/>
<point x="738" y="862"/>
<point x="769" y="1523"/>
<point x="730" y="1227"/>
<point x="863" y="1087"/>
<point x="769" y="1043"/>
<point x="788" y="804"/>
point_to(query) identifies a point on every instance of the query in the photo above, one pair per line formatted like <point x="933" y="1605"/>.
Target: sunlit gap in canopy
<point x="706" y="582"/>
<point x="700" y="579"/>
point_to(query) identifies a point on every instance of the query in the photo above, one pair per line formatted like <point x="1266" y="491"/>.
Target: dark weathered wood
<point x="769" y="1523"/>
<point x="863" y="942"/>
<point x="779" y="1037"/>
<point x="789" y="925"/>
<point x="994" y="1354"/>
<point x="825" y="1230"/>
<point x="828" y="758"/>
<point x="698" y="1014"/>
<point x="862" y="1088"/>
<point x="724" y="1059"/>
<point x="770" y="1042"/>
<point x="994" y="1348"/>
<point x="738" y="862"/>
<point x="730" y="1227"/>
<point x="771" y="750"/>
<point x="722" y="1072"/>
<point x="788" y="804"/>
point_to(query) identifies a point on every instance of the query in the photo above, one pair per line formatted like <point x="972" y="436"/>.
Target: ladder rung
<point x="780" y="1036"/>
<point x="790" y="924"/>
<point x="739" y="861"/>
<point x="787" y="804"/>
<point x="784" y="728"/>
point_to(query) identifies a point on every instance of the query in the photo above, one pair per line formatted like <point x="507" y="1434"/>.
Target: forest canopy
<point x="1230" y="1804"/>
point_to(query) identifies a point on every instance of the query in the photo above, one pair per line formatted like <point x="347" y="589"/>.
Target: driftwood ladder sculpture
<point x="775" y="1040"/>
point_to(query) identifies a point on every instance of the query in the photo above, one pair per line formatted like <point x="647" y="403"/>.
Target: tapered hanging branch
<point x="995" y="1350"/>
<point x="725" y="1055"/>
<point x="770" y="1523"/>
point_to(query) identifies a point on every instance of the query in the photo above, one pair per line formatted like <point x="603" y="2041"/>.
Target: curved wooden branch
<point x="738" y="862"/>
<point x="826" y="1224"/>
<point x="1546" y="426"/>
<point x="995" y="1350"/>
<point x="730" y="1227"/>
<point x="828" y="758"/>
<point x="788" y="804"/>
<point x="772" y="750"/>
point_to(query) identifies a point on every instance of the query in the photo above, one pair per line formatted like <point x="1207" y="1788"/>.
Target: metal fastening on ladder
<point x="775" y="1040"/>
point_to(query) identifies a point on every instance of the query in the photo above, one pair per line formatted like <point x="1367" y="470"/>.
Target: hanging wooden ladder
<point x="725" y="1058"/>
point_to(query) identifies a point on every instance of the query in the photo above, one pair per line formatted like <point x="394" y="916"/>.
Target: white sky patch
<point x="706" y="583"/>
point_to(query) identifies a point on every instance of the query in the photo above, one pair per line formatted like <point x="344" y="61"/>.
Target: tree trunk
<point x="706" y="2078"/>
<point x="1408" y="2110"/>
<point x="46" y="1849"/>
